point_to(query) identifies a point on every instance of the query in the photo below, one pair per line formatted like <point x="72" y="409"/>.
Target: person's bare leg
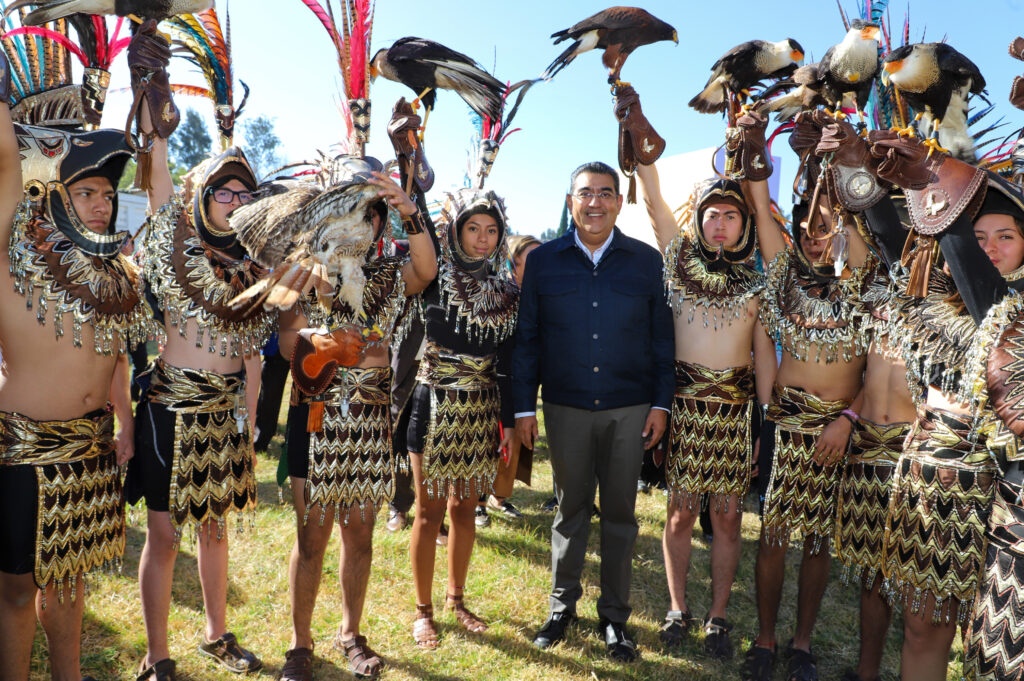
<point x="17" y="625"/>
<point x="62" y="622"/>
<point x="156" y="574"/>
<point x="812" y="582"/>
<point x="461" y="536"/>
<point x="212" y="560"/>
<point x="422" y="541"/>
<point x="875" y="616"/>
<point x="354" y="561"/>
<point x="676" y="543"/>
<point x="306" y="564"/>
<point x="770" y="574"/>
<point x="926" y="645"/>
<point x="725" y="553"/>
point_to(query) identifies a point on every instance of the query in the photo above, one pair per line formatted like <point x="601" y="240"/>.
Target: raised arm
<point x="769" y="232"/>
<point x="422" y="266"/>
<point x="662" y="220"/>
<point x="10" y="162"/>
<point x="977" y="280"/>
<point x="884" y="224"/>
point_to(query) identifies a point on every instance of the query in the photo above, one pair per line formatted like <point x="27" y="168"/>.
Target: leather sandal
<point x="363" y="661"/>
<point x="158" y="671"/>
<point x="676" y="627"/>
<point x="424" y="630"/>
<point x="298" y="665"/>
<point x="465" y="617"/>
<point x="231" y="656"/>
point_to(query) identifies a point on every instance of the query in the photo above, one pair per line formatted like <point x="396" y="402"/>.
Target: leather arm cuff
<point x="414" y="224"/>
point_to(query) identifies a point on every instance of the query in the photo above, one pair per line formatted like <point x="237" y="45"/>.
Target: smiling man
<point x="596" y="332"/>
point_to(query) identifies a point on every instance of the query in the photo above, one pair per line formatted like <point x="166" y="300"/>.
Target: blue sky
<point x="287" y="59"/>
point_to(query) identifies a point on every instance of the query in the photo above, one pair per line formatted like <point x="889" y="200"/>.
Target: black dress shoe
<point x="621" y="646"/>
<point x="553" y="630"/>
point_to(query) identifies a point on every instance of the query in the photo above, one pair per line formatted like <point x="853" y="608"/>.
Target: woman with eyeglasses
<point x="455" y="435"/>
<point x="194" y="462"/>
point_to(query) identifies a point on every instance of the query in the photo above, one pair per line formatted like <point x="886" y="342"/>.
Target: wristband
<point x="413" y="224"/>
<point x="850" y="415"/>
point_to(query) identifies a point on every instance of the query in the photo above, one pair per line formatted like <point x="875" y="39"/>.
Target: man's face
<point x="217" y="212"/>
<point x="93" y="199"/>
<point x="1002" y="242"/>
<point x="722" y="225"/>
<point x="594" y="206"/>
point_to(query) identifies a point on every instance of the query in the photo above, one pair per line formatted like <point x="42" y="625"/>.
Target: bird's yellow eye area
<point x="797" y="55"/>
<point x="893" y="66"/>
<point x="373" y="72"/>
<point x="870" y="33"/>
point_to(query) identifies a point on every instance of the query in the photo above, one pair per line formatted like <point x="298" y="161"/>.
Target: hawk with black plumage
<point x="936" y="80"/>
<point x="616" y="30"/>
<point x="426" y="66"/>
<point x="51" y="10"/>
<point x="743" y="67"/>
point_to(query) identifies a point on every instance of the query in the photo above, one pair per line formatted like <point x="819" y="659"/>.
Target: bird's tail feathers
<point x="481" y="91"/>
<point x="711" y="99"/>
<point x="561" y="61"/>
<point x="559" y="36"/>
<point x="787" y="105"/>
<point x="62" y="8"/>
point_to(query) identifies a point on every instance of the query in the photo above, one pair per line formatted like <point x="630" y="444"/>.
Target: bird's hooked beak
<point x="675" y="37"/>
<point x="373" y="72"/>
<point x="870" y="33"/>
<point x="889" y="68"/>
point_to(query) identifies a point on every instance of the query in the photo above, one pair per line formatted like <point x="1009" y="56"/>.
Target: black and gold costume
<point x="78" y="519"/>
<point x="801" y="494"/>
<point x="469" y="313"/>
<point x="60" y="477"/>
<point x="864" y="496"/>
<point x="711" y="445"/>
<point x="345" y="452"/>
<point x="211" y="471"/>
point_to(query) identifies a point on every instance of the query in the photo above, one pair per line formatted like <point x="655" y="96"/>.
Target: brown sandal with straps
<point x="363" y="661"/>
<point x="424" y="631"/>
<point x="467" y="619"/>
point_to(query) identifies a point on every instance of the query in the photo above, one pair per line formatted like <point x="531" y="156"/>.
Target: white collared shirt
<point x="596" y="255"/>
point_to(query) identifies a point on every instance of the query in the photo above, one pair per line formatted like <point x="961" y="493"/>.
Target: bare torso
<point x="837" y="380"/>
<point x="182" y="352"/>
<point x="887" y="398"/>
<point x="46" y="378"/>
<point x="728" y="345"/>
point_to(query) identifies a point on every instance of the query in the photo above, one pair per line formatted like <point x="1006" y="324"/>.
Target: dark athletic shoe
<point x="802" y="664"/>
<point x="716" y="638"/>
<point x="676" y="628"/>
<point x="759" y="663"/>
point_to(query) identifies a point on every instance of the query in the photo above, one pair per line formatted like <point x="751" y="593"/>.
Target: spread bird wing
<point x="480" y="90"/>
<point x="954" y="62"/>
<point x="271" y="229"/>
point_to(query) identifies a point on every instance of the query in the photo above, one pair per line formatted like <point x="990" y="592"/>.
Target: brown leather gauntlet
<point x="639" y="142"/>
<point x="1017" y="89"/>
<point x="414" y="223"/>
<point x="939" y="188"/>
<point x="318" y="355"/>
<point x="148" y="57"/>
<point x="852" y="182"/>
<point x="417" y="175"/>
<point x="752" y="162"/>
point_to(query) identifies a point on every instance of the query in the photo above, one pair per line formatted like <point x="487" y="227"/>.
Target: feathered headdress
<point x="352" y="44"/>
<point x="45" y="92"/>
<point x="198" y="38"/>
<point x="492" y="133"/>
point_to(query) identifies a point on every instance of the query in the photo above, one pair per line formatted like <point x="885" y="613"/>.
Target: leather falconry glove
<point x="148" y="57"/>
<point x="1017" y="89"/>
<point x="318" y="355"/>
<point x="417" y="175"/>
<point x="852" y="181"/>
<point x="753" y="162"/>
<point x="639" y="142"/>
<point x="939" y="188"/>
<point x="807" y="131"/>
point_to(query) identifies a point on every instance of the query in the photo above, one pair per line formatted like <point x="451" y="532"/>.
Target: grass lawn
<point x="508" y="585"/>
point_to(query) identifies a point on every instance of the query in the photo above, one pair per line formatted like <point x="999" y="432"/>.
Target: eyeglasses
<point x="587" y="195"/>
<point x="223" y="195"/>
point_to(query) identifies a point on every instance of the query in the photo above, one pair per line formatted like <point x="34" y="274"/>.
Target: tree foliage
<point x="191" y="142"/>
<point x="262" y="145"/>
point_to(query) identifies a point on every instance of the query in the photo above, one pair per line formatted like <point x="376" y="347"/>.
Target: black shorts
<point x="419" y="418"/>
<point x="19" y="490"/>
<point x="149" y="471"/>
<point x="297" y="441"/>
<point x="765" y="456"/>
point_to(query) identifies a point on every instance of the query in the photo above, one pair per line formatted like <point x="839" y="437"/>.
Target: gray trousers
<point x="591" y="448"/>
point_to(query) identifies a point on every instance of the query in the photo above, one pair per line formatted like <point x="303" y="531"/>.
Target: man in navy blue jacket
<point x="596" y="332"/>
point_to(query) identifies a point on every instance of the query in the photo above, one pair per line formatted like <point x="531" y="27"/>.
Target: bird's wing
<point x="420" y="49"/>
<point x="954" y="62"/>
<point x="51" y="10"/>
<point x="611" y="19"/>
<point x="271" y="228"/>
